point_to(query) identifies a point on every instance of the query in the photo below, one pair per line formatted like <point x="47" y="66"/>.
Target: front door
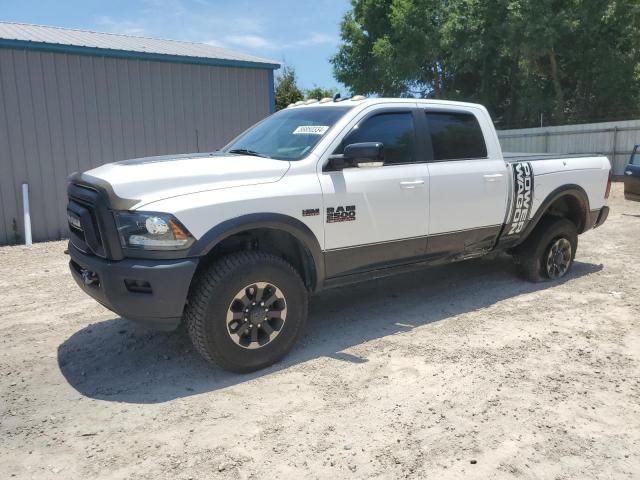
<point x="376" y="217"/>
<point x="632" y="176"/>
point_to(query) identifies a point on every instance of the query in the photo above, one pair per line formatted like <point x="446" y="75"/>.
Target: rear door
<point x="632" y="176"/>
<point x="467" y="183"/>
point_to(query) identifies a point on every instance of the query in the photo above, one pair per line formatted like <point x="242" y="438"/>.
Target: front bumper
<point x="152" y="292"/>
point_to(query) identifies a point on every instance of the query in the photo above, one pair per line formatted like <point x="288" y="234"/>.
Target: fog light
<point x="89" y="277"/>
<point x="137" y="286"/>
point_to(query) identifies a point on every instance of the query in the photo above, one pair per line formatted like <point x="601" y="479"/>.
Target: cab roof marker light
<point x="299" y="102"/>
<point x="310" y="101"/>
<point x="326" y="100"/>
<point x="357" y="98"/>
<point x="291" y="105"/>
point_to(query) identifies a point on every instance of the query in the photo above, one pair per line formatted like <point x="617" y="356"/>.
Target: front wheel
<point x="549" y="251"/>
<point x="246" y="311"/>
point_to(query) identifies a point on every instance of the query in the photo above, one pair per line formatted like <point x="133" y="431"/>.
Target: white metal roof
<point x="65" y="39"/>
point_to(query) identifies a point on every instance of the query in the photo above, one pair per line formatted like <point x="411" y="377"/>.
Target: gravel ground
<point x="456" y="372"/>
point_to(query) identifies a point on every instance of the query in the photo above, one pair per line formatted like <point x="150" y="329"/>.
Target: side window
<point x="455" y="135"/>
<point x="394" y="130"/>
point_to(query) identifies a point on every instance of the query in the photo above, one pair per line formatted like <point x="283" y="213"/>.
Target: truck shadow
<point x="115" y="360"/>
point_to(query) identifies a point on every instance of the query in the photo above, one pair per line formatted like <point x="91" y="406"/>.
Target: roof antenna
<point x="336" y="97"/>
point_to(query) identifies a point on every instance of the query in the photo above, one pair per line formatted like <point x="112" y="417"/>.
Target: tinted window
<point x="289" y="134"/>
<point x="394" y="130"/>
<point x="455" y="136"/>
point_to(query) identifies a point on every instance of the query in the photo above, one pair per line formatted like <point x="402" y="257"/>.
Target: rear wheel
<point x="549" y="251"/>
<point x="246" y="311"/>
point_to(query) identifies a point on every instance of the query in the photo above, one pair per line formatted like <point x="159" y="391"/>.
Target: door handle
<point x="628" y="172"/>
<point x="408" y="184"/>
<point x="492" y="177"/>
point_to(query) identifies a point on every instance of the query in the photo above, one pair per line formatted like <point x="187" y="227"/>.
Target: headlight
<point x="152" y="231"/>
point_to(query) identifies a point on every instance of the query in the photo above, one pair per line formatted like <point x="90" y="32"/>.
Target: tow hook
<point x="89" y="277"/>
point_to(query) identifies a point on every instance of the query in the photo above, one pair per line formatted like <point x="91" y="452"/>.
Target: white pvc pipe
<point x="27" y="215"/>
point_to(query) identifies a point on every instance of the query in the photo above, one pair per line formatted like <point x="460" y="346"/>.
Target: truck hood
<point x="141" y="181"/>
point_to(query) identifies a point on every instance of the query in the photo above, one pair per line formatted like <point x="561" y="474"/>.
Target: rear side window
<point x="455" y="135"/>
<point x="394" y="130"/>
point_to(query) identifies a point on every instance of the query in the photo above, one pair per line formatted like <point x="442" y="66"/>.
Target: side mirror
<point x="361" y="155"/>
<point x="364" y="155"/>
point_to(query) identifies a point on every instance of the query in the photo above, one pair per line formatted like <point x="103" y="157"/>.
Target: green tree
<point x="287" y="90"/>
<point x="575" y="60"/>
<point x="318" y="93"/>
<point x="390" y="47"/>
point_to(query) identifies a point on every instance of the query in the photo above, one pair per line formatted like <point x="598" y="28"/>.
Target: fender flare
<point x="273" y="221"/>
<point x="571" y="190"/>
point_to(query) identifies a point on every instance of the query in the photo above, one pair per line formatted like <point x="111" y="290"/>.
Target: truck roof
<point x="364" y="101"/>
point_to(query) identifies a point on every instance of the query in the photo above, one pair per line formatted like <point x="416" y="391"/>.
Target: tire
<point x="219" y="326"/>
<point x="535" y="259"/>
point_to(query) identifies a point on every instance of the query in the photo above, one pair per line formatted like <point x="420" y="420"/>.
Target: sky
<point x="302" y="34"/>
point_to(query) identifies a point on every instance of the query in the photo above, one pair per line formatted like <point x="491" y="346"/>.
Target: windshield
<point x="289" y="134"/>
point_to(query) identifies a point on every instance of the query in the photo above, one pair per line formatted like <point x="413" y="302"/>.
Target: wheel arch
<point x="570" y="201"/>
<point x="277" y="227"/>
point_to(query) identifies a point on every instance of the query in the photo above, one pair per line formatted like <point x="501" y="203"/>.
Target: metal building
<point x="71" y="100"/>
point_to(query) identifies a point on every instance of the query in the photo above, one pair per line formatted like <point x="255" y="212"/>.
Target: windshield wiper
<point x="244" y="151"/>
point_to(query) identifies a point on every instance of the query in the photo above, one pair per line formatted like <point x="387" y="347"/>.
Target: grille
<point x="84" y="223"/>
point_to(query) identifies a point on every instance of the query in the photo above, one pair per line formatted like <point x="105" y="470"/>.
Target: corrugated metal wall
<point x="62" y="113"/>
<point x="614" y="139"/>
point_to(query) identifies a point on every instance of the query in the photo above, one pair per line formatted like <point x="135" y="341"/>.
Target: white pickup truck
<point x="320" y="194"/>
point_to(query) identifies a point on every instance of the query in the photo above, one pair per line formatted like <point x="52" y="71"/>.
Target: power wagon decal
<point x="523" y="198"/>
<point x="341" y="214"/>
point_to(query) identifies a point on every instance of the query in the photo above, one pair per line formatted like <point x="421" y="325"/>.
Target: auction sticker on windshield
<point x="311" y="130"/>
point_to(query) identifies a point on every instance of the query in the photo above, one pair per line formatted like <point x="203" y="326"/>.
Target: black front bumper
<point x="152" y="292"/>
